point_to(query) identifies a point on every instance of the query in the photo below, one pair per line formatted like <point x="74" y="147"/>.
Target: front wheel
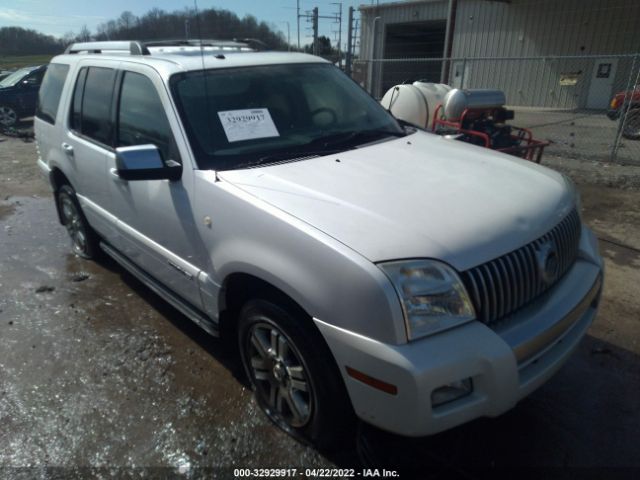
<point x="84" y="240"/>
<point x="292" y="373"/>
<point x="631" y="129"/>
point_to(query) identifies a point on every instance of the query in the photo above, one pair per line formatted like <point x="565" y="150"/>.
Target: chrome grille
<point x="505" y="284"/>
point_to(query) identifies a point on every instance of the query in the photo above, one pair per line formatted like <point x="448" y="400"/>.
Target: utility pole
<point x="315" y="30"/>
<point x="348" y="59"/>
<point x="186" y="29"/>
<point x="298" y="19"/>
<point x="339" y="21"/>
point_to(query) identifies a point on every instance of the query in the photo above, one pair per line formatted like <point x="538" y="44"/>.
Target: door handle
<point x="68" y="149"/>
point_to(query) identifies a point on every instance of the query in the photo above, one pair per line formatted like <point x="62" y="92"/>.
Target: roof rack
<point x="197" y="43"/>
<point x="141" y="48"/>
<point x="134" y="48"/>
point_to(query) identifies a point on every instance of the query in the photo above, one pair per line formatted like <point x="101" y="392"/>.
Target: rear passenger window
<point x="50" y="91"/>
<point x="141" y="117"/>
<point x="91" y="114"/>
<point x="96" y="104"/>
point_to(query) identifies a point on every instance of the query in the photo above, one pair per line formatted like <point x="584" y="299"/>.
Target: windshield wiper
<point x="287" y="155"/>
<point x="355" y="135"/>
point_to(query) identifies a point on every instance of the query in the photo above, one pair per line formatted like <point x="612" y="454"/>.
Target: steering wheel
<point x="326" y="110"/>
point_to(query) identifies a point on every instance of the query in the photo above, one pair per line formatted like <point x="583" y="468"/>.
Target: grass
<point x="13" y="62"/>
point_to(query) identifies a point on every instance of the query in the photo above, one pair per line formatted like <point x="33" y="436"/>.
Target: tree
<point x="20" y="41"/>
<point x="158" y="24"/>
<point x="127" y="20"/>
<point x="324" y="46"/>
<point x="84" y="35"/>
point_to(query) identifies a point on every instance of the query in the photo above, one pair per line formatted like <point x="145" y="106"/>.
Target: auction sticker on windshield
<point x="247" y="124"/>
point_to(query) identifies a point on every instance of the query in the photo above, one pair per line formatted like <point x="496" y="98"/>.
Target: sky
<point x="57" y="17"/>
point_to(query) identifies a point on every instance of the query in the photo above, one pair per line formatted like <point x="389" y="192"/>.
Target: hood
<point x="420" y="196"/>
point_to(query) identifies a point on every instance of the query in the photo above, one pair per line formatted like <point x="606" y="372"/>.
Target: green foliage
<point x="20" y="41"/>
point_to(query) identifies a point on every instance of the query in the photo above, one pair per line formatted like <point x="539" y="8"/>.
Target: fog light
<point x="450" y="392"/>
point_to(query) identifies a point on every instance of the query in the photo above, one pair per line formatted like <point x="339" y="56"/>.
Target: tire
<point x="631" y="128"/>
<point x="293" y="375"/>
<point x="84" y="240"/>
<point x="8" y="116"/>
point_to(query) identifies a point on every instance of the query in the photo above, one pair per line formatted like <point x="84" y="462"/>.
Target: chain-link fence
<point x="588" y="107"/>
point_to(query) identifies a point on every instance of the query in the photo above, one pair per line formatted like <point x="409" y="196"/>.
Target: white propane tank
<point x="415" y="103"/>
<point x="456" y="101"/>
<point x="434" y="94"/>
<point x="405" y="102"/>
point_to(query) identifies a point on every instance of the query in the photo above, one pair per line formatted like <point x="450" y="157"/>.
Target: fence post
<point x="623" y="117"/>
<point x="464" y="70"/>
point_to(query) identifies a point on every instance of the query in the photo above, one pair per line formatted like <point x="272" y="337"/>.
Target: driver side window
<point x="141" y="117"/>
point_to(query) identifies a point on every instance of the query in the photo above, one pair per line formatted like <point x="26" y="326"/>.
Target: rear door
<point x="89" y="141"/>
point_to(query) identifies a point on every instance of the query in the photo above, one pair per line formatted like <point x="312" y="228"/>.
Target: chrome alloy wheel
<point x="279" y="375"/>
<point x="8" y="116"/>
<point x="74" y="224"/>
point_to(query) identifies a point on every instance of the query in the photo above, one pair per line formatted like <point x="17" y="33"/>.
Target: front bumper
<point x="505" y="364"/>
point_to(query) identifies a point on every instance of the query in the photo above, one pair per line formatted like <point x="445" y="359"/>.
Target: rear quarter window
<point x="50" y="91"/>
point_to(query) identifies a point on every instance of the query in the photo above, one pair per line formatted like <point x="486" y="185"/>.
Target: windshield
<point x="254" y="115"/>
<point x="15" y="77"/>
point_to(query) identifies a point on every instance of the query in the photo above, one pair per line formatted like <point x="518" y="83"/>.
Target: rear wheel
<point x="631" y="129"/>
<point x="8" y="116"/>
<point x="84" y="240"/>
<point x="292" y="374"/>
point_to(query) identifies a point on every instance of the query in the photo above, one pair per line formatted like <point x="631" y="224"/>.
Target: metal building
<point x="597" y="40"/>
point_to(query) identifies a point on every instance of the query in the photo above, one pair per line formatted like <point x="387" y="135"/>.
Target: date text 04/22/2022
<point x="314" y="473"/>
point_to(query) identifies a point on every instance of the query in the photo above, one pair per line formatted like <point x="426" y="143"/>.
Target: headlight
<point x="432" y="296"/>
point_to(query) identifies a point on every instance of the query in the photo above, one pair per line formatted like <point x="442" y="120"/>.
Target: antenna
<point x="204" y="75"/>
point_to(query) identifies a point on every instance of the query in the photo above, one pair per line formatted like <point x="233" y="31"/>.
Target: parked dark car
<point x="627" y="102"/>
<point x="19" y="94"/>
<point x="5" y="73"/>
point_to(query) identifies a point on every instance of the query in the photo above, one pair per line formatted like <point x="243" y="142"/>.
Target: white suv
<point x="362" y="265"/>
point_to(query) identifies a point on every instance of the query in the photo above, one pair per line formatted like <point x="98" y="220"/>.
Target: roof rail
<point x="254" y="43"/>
<point x="199" y="42"/>
<point x="140" y="48"/>
<point x="134" y="48"/>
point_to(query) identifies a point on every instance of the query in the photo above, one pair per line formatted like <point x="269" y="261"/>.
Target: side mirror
<point x="144" y="162"/>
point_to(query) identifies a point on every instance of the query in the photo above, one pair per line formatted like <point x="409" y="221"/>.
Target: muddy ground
<point x="98" y="372"/>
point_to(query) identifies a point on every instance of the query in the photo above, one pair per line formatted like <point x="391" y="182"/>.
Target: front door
<point x="601" y="86"/>
<point x="157" y="230"/>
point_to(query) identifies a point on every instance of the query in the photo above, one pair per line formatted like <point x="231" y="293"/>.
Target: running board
<point x="185" y="308"/>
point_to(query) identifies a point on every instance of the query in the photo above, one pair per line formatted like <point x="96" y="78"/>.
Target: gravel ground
<point x="96" y="372"/>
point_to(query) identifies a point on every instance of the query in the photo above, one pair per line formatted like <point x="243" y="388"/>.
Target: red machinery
<point x="486" y="127"/>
